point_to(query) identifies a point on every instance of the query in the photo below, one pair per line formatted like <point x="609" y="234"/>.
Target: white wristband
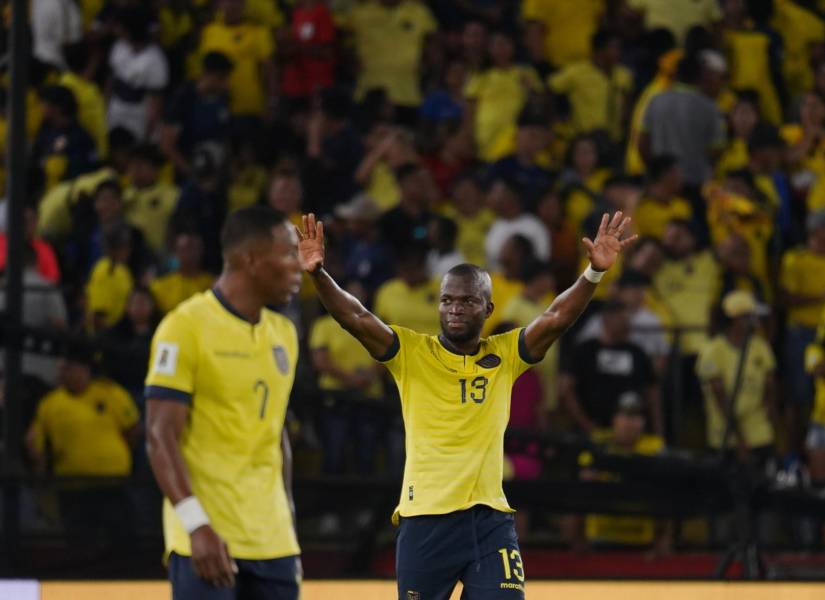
<point x="191" y="514"/>
<point x="592" y="275"/>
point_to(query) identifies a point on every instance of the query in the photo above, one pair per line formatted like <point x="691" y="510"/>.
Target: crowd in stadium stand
<point x="427" y="134"/>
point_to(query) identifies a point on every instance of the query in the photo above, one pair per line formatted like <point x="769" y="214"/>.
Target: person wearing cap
<point x="600" y="372"/>
<point x="802" y="291"/>
<point x="86" y="427"/>
<point x="368" y="258"/>
<point x="752" y="431"/>
<point x="625" y="435"/>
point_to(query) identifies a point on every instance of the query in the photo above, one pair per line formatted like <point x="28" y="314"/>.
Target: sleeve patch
<point x="166" y="358"/>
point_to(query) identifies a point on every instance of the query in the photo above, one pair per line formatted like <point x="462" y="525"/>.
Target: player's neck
<point x="241" y="300"/>
<point x="464" y="348"/>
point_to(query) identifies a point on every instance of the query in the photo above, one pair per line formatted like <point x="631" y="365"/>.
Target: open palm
<point x="605" y="248"/>
<point x="311" y="243"/>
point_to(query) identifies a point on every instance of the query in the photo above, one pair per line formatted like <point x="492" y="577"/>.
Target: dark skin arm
<point x="566" y="308"/>
<point x="375" y="335"/>
<point x="165" y="423"/>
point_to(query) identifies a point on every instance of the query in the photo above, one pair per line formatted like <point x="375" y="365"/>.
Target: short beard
<point x="460" y="338"/>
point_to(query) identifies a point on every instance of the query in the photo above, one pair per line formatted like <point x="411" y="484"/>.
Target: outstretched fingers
<point x="628" y="241"/>
<point x="589" y="244"/>
<point x="603" y="226"/>
<point x="319" y="231"/>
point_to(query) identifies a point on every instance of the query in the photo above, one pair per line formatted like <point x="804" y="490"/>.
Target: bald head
<point x="465" y="303"/>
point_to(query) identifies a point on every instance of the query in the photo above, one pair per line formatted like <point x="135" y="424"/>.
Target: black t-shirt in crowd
<point x="604" y="373"/>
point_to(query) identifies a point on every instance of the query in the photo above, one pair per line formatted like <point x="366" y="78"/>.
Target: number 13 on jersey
<point x="476" y="389"/>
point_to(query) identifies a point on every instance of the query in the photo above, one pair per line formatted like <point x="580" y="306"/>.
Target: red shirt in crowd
<point x="310" y="68"/>
<point x="46" y="260"/>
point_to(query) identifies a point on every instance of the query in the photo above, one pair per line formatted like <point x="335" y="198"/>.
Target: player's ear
<point x="490" y="308"/>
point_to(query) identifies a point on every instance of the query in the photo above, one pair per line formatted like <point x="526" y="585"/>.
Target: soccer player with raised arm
<point x="454" y="521"/>
<point x="220" y="375"/>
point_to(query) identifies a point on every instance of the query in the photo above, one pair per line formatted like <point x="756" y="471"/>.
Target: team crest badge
<point x="413" y="595"/>
<point x="281" y="359"/>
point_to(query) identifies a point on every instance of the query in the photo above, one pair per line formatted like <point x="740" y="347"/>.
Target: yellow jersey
<point x="597" y="99"/>
<point x="687" y="288"/>
<point x="472" y="231"/>
<point x="719" y="358"/>
<point x="677" y="17"/>
<point x="248" y="45"/>
<point x="236" y="376"/>
<point x="652" y="216"/>
<point x="814" y="356"/>
<point x="500" y="94"/>
<point x="568" y="26"/>
<point x="389" y="41"/>
<point x="149" y="209"/>
<point x="345" y="352"/>
<point x="91" y="109"/>
<point x="799" y="276"/>
<point x="85" y="432"/>
<point x="455" y="408"/>
<point x="108" y="289"/>
<point x="173" y="288"/>
<point x="417" y="308"/>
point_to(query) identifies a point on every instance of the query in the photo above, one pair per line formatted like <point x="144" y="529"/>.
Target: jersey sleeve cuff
<point x="392" y="351"/>
<point x="159" y="392"/>
<point x="523" y="353"/>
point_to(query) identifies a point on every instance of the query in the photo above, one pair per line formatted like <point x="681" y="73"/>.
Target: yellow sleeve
<point x="173" y="361"/>
<point x="266" y="44"/>
<point x="125" y="410"/>
<point x="428" y="22"/>
<point x="561" y="82"/>
<point x="707" y="365"/>
<point x="98" y="298"/>
<point x="474" y="86"/>
<point x="787" y="275"/>
<point x="531" y="10"/>
<point x="319" y="335"/>
<point x="814" y="356"/>
<point x="403" y="345"/>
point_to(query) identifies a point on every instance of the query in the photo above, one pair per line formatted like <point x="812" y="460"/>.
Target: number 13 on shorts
<point x="511" y="562"/>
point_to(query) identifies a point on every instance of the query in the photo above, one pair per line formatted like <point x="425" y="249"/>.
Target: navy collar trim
<point x="228" y="307"/>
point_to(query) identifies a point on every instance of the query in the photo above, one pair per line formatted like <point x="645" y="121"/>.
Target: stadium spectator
<point x="447" y="103"/>
<point x="741" y="411"/>
<point x="735" y="261"/>
<point x="84" y="428"/>
<point x="517" y="257"/>
<point x="443" y="255"/>
<point x="44" y="310"/>
<point x="451" y="158"/>
<point x="126" y="345"/>
<point x="685" y="122"/>
<point x="744" y="116"/>
<point x="54" y="24"/>
<point x="677" y="18"/>
<point x="597" y="88"/>
<point x="139" y="74"/>
<point x="285" y="193"/>
<point x="804" y="296"/>
<point x="91" y="106"/>
<point x="110" y="281"/>
<point x="149" y="201"/>
<point x="521" y="168"/>
<point x="564" y="242"/>
<point x="566" y="28"/>
<point x="198" y="114"/>
<point x="351" y="387"/>
<point x="368" y="258"/>
<point x="625" y="435"/>
<point x="512" y="219"/>
<point x="187" y="279"/>
<point x="46" y="259"/>
<point x="249" y="46"/>
<point x="390" y="39"/>
<point x="388" y="149"/>
<point x="496" y="95"/>
<point x="601" y="372"/>
<point x="471" y="215"/>
<point x="582" y="179"/>
<point x="661" y="202"/>
<point x="62" y="148"/>
<point x="407" y="223"/>
<point x="308" y="55"/>
<point x="411" y="299"/>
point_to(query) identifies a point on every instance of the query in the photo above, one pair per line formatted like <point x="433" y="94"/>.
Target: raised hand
<point x="604" y="250"/>
<point x="311" y="243"/>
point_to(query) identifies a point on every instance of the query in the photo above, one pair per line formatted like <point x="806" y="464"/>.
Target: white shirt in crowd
<point x="525" y="224"/>
<point x="54" y="23"/>
<point x="646" y="332"/>
<point x="136" y="74"/>
<point x="439" y="264"/>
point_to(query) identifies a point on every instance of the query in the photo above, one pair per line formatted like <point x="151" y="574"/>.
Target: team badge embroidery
<point x="413" y="595"/>
<point x="281" y="359"/>
<point x="489" y="362"/>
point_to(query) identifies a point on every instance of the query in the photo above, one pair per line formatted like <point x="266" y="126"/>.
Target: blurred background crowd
<point x="426" y="134"/>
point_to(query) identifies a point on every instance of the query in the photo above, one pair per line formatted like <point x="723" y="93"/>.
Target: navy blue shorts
<point x="276" y="579"/>
<point x="477" y="546"/>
